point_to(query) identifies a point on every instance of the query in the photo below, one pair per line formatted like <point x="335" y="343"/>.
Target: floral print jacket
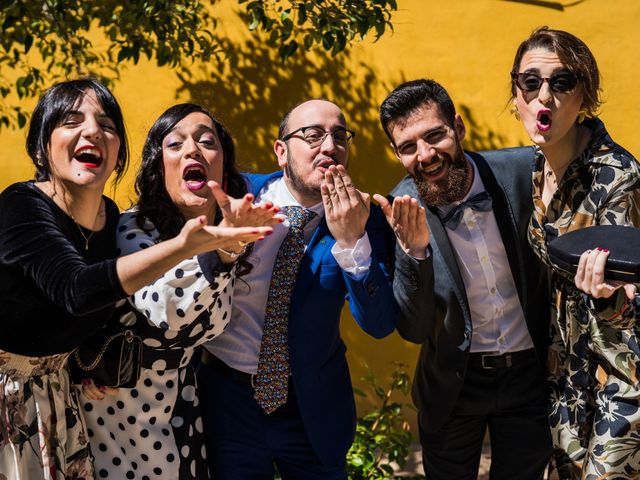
<point x="590" y="339"/>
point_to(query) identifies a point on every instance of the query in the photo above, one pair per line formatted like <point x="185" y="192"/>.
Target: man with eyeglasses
<point x="276" y="386"/>
<point x="476" y="299"/>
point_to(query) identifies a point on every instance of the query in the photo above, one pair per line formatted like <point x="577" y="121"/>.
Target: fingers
<point x="91" y="390"/>
<point x="365" y="199"/>
<point x="327" y="201"/>
<point x="192" y="225"/>
<point x="222" y="199"/>
<point x="341" y="188"/>
<point x="233" y="235"/>
<point x="385" y="206"/>
<point x="110" y="390"/>
<point x="265" y="214"/>
<point x="590" y="275"/>
<point x="330" y="188"/>
<point x="630" y="290"/>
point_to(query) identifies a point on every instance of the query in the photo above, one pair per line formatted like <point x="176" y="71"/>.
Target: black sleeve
<point x="32" y="241"/>
<point x="413" y="286"/>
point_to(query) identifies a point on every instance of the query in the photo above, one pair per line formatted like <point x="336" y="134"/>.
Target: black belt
<point x="219" y="366"/>
<point x="492" y="360"/>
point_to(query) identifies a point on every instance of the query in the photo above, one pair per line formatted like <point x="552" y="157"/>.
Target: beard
<point x="450" y="189"/>
<point x="298" y="183"/>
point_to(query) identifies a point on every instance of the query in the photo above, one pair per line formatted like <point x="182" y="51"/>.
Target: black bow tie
<point x="480" y="202"/>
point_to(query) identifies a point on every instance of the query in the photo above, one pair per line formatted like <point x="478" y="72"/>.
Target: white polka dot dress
<point x="154" y="431"/>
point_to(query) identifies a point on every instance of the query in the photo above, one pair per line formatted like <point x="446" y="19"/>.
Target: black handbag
<point x="110" y="358"/>
<point x="622" y="242"/>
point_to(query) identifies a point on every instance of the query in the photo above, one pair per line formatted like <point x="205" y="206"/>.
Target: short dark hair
<point x="574" y="54"/>
<point x="409" y="97"/>
<point x="154" y="202"/>
<point x="51" y="109"/>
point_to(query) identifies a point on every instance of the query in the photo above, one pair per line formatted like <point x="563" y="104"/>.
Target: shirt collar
<point x="284" y="198"/>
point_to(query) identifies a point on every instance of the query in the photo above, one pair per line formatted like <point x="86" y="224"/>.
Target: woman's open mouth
<point x="89" y="156"/>
<point x="195" y="176"/>
<point x="543" y="120"/>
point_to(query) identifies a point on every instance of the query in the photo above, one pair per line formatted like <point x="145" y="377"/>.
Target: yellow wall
<point x="467" y="45"/>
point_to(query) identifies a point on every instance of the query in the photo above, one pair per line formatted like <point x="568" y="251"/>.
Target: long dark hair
<point x="154" y="202"/>
<point x="51" y="109"/>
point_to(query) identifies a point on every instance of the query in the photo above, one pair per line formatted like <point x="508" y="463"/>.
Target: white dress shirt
<point x="496" y="314"/>
<point x="239" y="345"/>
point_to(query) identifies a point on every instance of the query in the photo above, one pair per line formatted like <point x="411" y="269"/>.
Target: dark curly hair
<point x="154" y="202"/>
<point x="53" y="106"/>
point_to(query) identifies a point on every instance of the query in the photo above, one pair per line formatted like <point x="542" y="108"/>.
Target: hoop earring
<point x="582" y="114"/>
<point x="39" y="162"/>
<point x="514" y="111"/>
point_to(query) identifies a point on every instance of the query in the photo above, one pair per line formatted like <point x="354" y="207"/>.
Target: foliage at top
<point x="43" y="41"/>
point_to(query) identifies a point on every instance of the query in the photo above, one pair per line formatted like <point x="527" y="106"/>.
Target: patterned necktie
<point x="480" y="202"/>
<point x="272" y="380"/>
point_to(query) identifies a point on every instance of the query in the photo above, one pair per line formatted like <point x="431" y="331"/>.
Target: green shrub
<point x="382" y="435"/>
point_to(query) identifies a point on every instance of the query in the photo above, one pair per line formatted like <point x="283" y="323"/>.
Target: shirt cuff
<point x="355" y="261"/>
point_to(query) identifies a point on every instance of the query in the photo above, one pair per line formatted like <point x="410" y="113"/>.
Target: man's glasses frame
<point x="317" y="139"/>
<point x="561" y="82"/>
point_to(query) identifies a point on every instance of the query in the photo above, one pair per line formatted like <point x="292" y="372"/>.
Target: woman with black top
<point x="59" y="279"/>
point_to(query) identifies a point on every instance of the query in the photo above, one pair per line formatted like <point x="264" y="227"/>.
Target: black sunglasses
<point x="561" y="82"/>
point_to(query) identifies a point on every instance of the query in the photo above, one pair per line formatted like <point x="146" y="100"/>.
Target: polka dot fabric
<point x="154" y="431"/>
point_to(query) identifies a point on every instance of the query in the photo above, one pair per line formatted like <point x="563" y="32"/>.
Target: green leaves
<point x="72" y="38"/>
<point x="382" y="435"/>
<point x="327" y="24"/>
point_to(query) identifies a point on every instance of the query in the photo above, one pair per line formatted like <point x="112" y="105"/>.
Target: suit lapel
<point x="320" y="243"/>
<point x="441" y="247"/>
<point x="440" y="244"/>
<point x="506" y="223"/>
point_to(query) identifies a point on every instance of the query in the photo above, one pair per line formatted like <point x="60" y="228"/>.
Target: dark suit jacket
<point x="317" y="353"/>
<point x="431" y="293"/>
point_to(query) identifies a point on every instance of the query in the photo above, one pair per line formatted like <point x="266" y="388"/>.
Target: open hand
<point x="408" y="220"/>
<point x="241" y="212"/>
<point x="590" y="276"/>
<point x="198" y="237"/>
<point x="346" y="208"/>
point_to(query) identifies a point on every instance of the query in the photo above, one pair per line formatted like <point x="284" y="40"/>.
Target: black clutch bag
<point x="622" y="242"/>
<point x="111" y="357"/>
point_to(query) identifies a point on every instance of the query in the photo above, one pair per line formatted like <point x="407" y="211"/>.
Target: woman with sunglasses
<point x="59" y="278"/>
<point x="581" y="177"/>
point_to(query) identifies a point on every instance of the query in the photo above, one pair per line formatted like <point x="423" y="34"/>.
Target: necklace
<point x="86" y="238"/>
<point x="50" y="190"/>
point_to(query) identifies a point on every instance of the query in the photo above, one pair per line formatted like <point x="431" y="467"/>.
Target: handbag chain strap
<point x="128" y="338"/>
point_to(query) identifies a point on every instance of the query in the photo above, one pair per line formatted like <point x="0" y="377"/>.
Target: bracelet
<point x="233" y="255"/>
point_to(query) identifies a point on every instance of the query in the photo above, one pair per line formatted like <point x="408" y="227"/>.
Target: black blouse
<point x="53" y="292"/>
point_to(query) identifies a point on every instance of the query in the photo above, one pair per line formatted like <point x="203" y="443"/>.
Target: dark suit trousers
<point x="244" y="443"/>
<point x="512" y="403"/>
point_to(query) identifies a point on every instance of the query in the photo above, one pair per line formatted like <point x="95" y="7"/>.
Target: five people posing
<point x="255" y="269"/>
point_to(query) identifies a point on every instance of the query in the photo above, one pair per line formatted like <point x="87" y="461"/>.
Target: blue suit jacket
<point x="317" y="353"/>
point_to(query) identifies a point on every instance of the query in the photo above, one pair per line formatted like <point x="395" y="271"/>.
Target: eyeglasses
<point x="561" y="82"/>
<point x="314" y="136"/>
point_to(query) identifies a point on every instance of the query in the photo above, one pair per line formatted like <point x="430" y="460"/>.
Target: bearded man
<point x="475" y="299"/>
